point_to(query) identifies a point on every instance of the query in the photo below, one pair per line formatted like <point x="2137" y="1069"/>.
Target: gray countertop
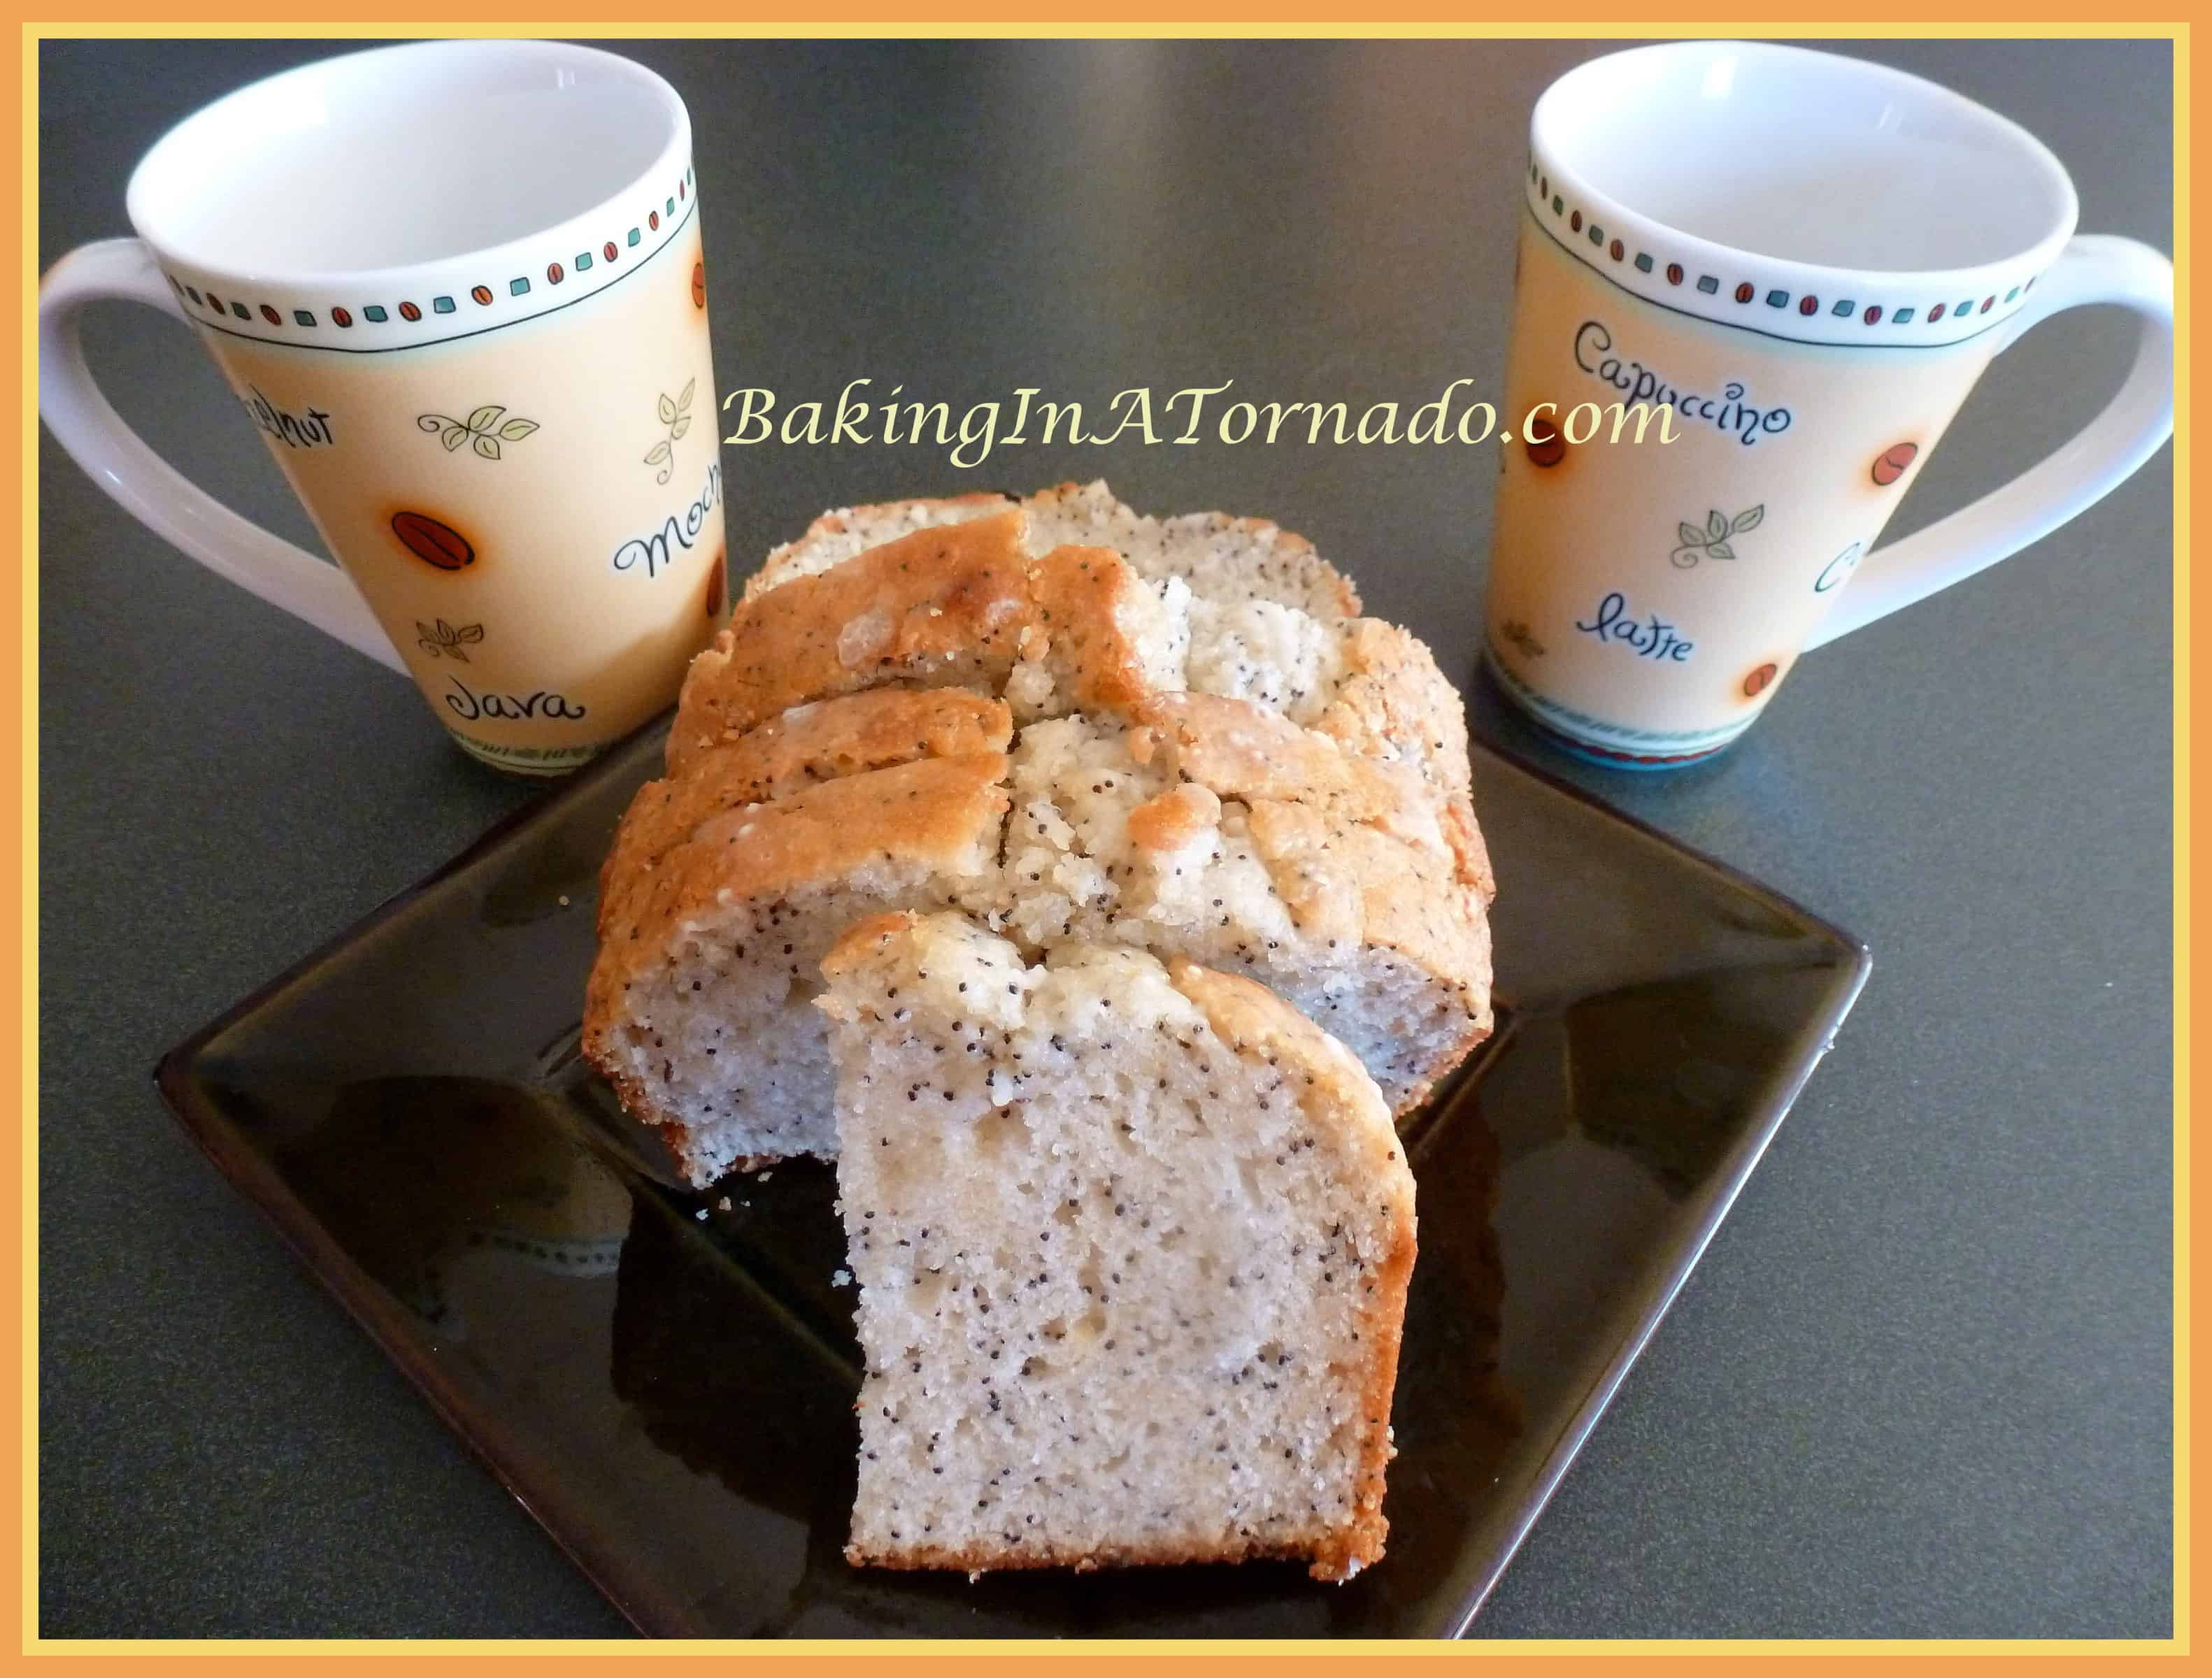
<point x="1922" y="1383"/>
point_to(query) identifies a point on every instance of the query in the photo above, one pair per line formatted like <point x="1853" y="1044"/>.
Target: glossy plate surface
<point x="671" y="1394"/>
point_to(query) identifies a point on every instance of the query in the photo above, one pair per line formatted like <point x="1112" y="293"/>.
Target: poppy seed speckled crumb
<point x="1077" y="723"/>
<point x="1130" y="1314"/>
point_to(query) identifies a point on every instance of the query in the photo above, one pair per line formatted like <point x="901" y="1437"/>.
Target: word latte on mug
<point x="1647" y="638"/>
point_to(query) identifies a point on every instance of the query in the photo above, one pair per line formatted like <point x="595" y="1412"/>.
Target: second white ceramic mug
<point x="458" y="288"/>
<point x="1812" y="259"/>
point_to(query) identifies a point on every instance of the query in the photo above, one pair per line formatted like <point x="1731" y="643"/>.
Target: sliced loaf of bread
<point x="1248" y="610"/>
<point x="1132" y="1243"/>
<point x="1207" y="829"/>
<point x="950" y="718"/>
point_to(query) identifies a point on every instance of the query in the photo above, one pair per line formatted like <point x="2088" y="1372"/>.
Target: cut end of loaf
<point x="1132" y="1244"/>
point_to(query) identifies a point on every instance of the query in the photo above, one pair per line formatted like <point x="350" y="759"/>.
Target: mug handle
<point x="148" y="487"/>
<point x="2093" y="267"/>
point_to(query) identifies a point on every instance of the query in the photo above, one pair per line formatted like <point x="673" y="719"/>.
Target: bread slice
<point x="1256" y="612"/>
<point x="1132" y="1243"/>
<point x="1216" y="556"/>
<point x="968" y="606"/>
<point x="713" y="920"/>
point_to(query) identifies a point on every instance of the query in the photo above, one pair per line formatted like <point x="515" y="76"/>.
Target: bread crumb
<point x="723" y="1204"/>
<point x="841" y="1277"/>
<point x="1134" y="1313"/>
<point x="701" y="1214"/>
<point x="564" y="899"/>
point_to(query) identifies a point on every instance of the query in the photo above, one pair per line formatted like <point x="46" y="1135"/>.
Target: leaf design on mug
<point x="483" y="426"/>
<point x="442" y="640"/>
<point x="1712" y="542"/>
<point x="676" y="414"/>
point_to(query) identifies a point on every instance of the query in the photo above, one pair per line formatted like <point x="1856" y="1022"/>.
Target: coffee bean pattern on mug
<point x="1890" y="465"/>
<point x="1744" y="292"/>
<point x="433" y="540"/>
<point x="519" y="286"/>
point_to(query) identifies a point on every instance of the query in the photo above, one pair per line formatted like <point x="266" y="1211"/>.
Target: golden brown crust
<point x="1344" y="879"/>
<point x="840" y="737"/>
<point x="1090" y="508"/>
<point x="1394" y="703"/>
<point x="1175" y="819"/>
<point x="937" y="811"/>
<point x="860" y="943"/>
<point x="861" y="522"/>
<point x="1238" y="748"/>
<point x="1347" y="816"/>
<point x="955" y="604"/>
<point x="1329" y="1557"/>
<point x="1457" y="822"/>
<point x="802" y="748"/>
<point x="1353" y="846"/>
<point x="950" y="601"/>
<point x="1082" y="599"/>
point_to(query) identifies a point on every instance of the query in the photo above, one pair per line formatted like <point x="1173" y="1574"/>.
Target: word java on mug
<point x="458" y="288"/>
<point x="1811" y="259"/>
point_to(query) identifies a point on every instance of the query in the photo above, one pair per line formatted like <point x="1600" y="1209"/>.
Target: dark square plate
<point x="667" y="1385"/>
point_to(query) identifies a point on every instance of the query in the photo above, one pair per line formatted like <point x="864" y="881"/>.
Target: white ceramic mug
<point x="458" y="288"/>
<point x="1810" y="260"/>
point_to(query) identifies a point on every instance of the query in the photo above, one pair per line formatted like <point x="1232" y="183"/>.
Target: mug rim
<point x="1780" y="296"/>
<point x="404" y="305"/>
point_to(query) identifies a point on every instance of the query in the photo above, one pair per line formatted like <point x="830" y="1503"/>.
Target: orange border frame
<point x="1276" y="18"/>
